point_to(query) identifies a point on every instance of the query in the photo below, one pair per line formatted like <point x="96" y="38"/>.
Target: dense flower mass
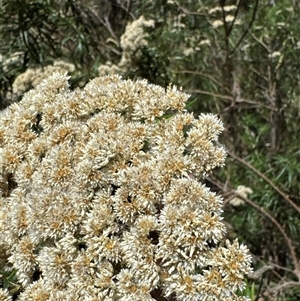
<point x="101" y="196"/>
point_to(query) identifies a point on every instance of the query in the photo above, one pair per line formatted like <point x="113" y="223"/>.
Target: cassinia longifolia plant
<point x="101" y="196"/>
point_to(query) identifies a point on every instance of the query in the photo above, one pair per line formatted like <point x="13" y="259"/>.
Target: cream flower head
<point x="101" y="195"/>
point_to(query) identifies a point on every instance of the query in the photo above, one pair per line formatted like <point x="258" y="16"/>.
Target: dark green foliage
<point x="34" y="33"/>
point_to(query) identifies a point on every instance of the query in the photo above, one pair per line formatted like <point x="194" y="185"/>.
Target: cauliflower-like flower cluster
<point x="101" y="196"/>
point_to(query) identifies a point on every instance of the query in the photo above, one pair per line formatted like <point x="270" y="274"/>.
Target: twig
<point x="258" y="273"/>
<point x="263" y="176"/>
<point x="188" y="12"/>
<point x="260" y="42"/>
<point x="279" y="267"/>
<point x="280" y="228"/>
<point x="235" y="16"/>
<point x="247" y="30"/>
<point x="239" y="100"/>
<point x="202" y="74"/>
<point x="276" y="223"/>
<point x="208" y="93"/>
<point x="284" y="286"/>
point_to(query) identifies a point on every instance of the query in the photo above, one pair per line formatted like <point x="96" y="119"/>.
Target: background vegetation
<point x="238" y="59"/>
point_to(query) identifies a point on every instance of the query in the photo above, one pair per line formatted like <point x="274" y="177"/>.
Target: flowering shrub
<point x="101" y="196"/>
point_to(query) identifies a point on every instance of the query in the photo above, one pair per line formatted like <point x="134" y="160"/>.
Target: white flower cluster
<point x="226" y="8"/>
<point x="242" y="191"/>
<point x="101" y="199"/>
<point x="133" y="39"/>
<point x="135" y="35"/>
<point x="34" y="76"/>
<point x="228" y="18"/>
<point x="13" y="59"/>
